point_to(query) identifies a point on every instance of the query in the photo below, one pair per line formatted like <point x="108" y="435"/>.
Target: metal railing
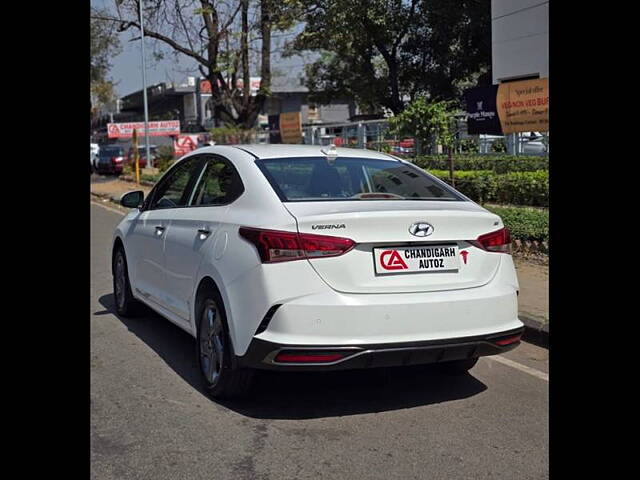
<point x="374" y="135"/>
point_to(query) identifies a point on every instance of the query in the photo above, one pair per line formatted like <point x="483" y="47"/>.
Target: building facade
<point x="519" y="47"/>
<point x="519" y="39"/>
<point x="190" y="103"/>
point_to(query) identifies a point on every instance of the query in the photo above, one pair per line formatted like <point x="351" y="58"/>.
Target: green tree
<point x="428" y="122"/>
<point x="449" y="48"/>
<point x="382" y="52"/>
<point x="223" y="37"/>
<point x="104" y="45"/>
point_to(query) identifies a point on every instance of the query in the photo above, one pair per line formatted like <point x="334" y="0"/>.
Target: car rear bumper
<point x="332" y="318"/>
<point x="109" y="168"/>
<point x="263" y="354"/>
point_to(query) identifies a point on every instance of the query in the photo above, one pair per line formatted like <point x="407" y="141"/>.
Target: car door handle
<point x="159" y="229"/>
<point x="204" y="231"/>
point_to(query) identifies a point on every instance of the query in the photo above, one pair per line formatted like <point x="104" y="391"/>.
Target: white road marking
<point x="108" y="208"/>
<point x="518" y="366"/>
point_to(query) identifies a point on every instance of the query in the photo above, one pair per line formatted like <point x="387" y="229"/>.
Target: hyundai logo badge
<point x="421" y="229"/>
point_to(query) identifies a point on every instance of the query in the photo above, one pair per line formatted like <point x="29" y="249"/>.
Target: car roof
<point x="262" y="151"/>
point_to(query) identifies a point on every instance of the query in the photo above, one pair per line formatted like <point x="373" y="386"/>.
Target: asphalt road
<point x="151" y="420"/>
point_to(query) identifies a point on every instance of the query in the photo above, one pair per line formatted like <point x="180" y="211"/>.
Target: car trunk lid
<point x="382" y="227"/>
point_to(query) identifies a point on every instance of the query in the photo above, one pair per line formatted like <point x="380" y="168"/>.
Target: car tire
<point x="458" y="367"/>
<point x="214" y="352"/>
<point x="126" y="305"/>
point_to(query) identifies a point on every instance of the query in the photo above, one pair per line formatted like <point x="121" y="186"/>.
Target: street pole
<point x="136" y="155"/>
<point x="144" y="89"/>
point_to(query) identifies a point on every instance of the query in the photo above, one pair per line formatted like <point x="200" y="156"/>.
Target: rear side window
<point x="174" y="190"/>
<point x="113" y="151"/>
<point x="316" y="179"/>
<point x="220" y="184"/>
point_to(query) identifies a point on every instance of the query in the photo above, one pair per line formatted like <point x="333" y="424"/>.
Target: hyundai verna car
<point x="300" y="258"/>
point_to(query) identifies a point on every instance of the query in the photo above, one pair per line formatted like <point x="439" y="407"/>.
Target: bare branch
<point x="124" y="25"/>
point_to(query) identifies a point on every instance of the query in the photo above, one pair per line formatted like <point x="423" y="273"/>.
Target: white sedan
<point x="300" y="257"/>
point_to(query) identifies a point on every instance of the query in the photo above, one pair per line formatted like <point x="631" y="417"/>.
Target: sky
<point x="126" y="69"/>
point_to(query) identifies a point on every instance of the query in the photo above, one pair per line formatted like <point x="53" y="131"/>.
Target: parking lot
<point x="150" y="417"/>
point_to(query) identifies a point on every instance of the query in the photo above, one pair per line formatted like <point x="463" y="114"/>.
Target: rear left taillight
<point x="278" y="246"/>
<point x="498" y="241"/>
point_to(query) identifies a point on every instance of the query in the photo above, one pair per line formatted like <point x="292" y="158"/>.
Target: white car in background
<point x="93" y="157"/>
<point x="533" y="143"/>
<point x="300" y="258"/>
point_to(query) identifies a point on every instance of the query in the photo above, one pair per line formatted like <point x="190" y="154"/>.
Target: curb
<point x="536" y="331"/>
<point x="111" y="198"/>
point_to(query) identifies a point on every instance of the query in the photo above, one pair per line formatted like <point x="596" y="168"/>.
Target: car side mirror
<point x="132" y="199"/>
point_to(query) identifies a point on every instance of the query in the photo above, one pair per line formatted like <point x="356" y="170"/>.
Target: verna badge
<point x="421" y="229"/>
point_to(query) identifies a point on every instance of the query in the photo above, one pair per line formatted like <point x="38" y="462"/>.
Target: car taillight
<point x="116" y="159"/>
<point x="498" y="241"/>
<point x="277" y="246"/>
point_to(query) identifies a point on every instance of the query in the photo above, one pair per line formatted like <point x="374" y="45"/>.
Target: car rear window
<point x="104" y="151"/>
<point x="304" y="179"/>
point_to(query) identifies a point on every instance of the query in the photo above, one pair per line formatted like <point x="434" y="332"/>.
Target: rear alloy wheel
<point x="214" y="354"/>
<point x="126" y="305"/>
<point x="458" y="367"/>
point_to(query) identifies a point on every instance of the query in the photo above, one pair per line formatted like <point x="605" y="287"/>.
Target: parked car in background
<point x="110" y="159"/>
<point x="533" y="143"/>
<point x="142" y="150"/>
<point x="93" y="156"/>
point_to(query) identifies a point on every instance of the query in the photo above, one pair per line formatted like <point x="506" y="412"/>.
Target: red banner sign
<point x="185" y="144"/>
<point x="156" y="129"/>
<point x="205" y="85"/>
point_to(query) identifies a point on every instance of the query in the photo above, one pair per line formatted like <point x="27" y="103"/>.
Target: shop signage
<point x="254" y="82"/>
<point x="156" y="129"/>
<point x="184" y="144"/>
<point x="519" y="106"/>
<point x="482" y="113"/>
<point x="285" y="128"/>
<point x="523" y="106"/>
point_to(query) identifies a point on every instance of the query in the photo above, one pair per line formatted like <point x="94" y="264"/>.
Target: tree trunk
<point x="244" y="46"/>
<point x="397" y="105"/>
<point x="453" y="182"/>
<point x="264" y="91"/>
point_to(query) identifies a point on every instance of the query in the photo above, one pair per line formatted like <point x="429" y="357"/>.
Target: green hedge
<point x="151" y="177"/>
<point x="516" y="188"/>
<point x="524" y="223"/>
<point x="496" y="163"/>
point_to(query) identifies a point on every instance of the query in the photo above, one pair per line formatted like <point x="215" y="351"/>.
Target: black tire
<point x="458" y="367"/>
<point x="220" y="379"/>
<point x="126" y="305"/>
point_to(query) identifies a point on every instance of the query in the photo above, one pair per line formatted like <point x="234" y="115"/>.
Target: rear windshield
<point x="305" y="179"/>
<point x="104" y="151"/>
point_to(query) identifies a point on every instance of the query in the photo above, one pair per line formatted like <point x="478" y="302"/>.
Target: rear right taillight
<point x="509" y="340"/>
<point x="278" y="246"/>
<point x="115" y="160"/>
<point x="498" y="241"/>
